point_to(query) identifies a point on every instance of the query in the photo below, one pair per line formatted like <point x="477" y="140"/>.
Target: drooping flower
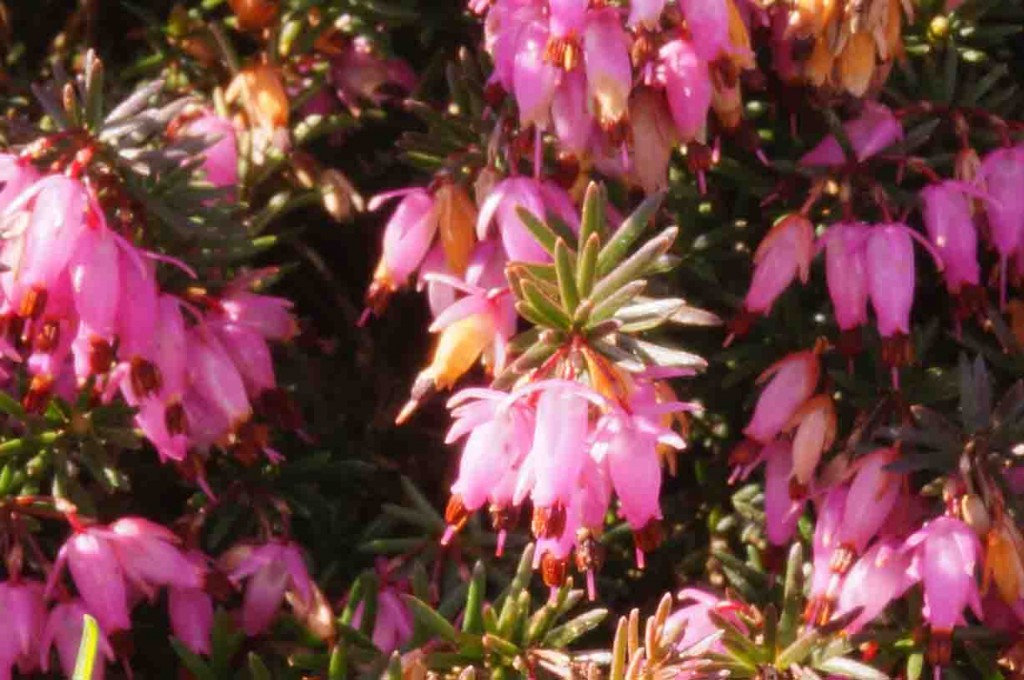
<point x="815" y="423"/>
<point x="1000" y="176"/>
<point x="271" y="569"/>
<point x="220" y="157"/>
<point x="873" y="493"/>
<point x="96" y="570"/>
<point x="645" y="13"/>
<point x="875" y="129"/>
<point x="947" y="217"/>
<point x="876" y="579"/>
<point x="393" y="626"/>
<point x="687" y="83"/>
<point x="22" y="625"/>
<point x="654" y="137"/>
<point x="407" y="238"/>
<point x="846" y="273"/>
<point x="890" y="270"/>
<point x="784" y="255"/>
<point x="63" y="630"/>
<point x="780" y="509"/>
<point x="945" y="557"/>
<point x="191" y="612"/>
<point x="502" y="206"/>
<point x="791" y="382"/>
<point x="707" y="22"/>
<point x="609" y="71"/>
<point x="534" y="78"/>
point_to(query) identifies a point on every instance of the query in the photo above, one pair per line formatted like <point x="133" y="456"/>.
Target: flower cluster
<point x="118" y="566"/>
<point x="83" y="308"/>
<point x="566" y="448"/>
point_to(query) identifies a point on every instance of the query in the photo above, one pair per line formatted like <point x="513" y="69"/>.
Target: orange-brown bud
<point x="262" y="92"/>
<point x="456" y="224"/>
<point x="856" y="63"/>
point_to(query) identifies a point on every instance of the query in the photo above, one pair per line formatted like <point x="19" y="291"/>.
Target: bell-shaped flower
<point x="502" y="206"/>
<point x="407" y="238"/>
<point x="1001" y="176"/>
<point x="873" y="493"/>
<point x="654" y="138"/>
<point x="270" y="569"/>
<point x="945" y="558"/>
<point x="49" y="218"/>
<point x="876" y="579"/>
<point x="567" y="17"/>
<point x="874" y="130"/>
<point x="784" y="254"/>
<point x="22" y="625"/>
<point x="250" y="354"/>
<point x="191" y="611"/>
<point x="890" y="270"/>
<point x="815" y="424"/>
<point x="846" y="272"/>
<point x="699" y="631"/>
<point x="781" y="510"/>
<point x="95" y="270"/>
<point x="791" y="382"/>
<point x="393" y="627"/>
<point x="95" y="566"/>
<point x="707" y="22"/>
<point x="213" y="375"/>
<point x="609" y="70"/>
<point x="824" y="546"/>
<point x="947" y="217"/>
<point x="552" y="469"/>
<point x="571" y="118"/>
<point x="220" y="157"/>
<point x="63" y="630"/>
<point x="16" y="175"/>
<point x="534" y="78"/>
<point x="150" y="556"/>
<point x="269" y="315"/>
<point x="687" y="83"/>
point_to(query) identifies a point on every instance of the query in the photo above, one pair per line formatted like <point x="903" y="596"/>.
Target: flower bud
<point x="456" y="225"/>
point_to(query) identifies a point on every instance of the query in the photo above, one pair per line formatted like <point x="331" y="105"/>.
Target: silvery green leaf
<point x="135" y="102"/>
<point x="659" y="355"/>
<point x="848" y="668"/>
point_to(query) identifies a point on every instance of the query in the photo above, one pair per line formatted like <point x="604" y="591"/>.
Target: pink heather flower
<point x="95" y="275"/>
<point x="871" y="132"/>
<point x="96" y="569"/>
<point x="609" y="70"/>
<point x="493" y="309"/>
<point x="873" y="493"/>
<point x="627" y="442"/>
<point x="708" y="24"/>
<point x="687" y="84"/>
<point x="846" y="272"/>
<point x="947" y="217"/>
<point x="220" y="157"/>
<point x="505" y="23"/>
<point x="1001" y="175"/>
<point x="500" y="436"/>
<point x="571" y="118"/>
<point x="876" y="579"/>
<point x="393" y="625"/>
<point x="695" y="620"/>
<point x="250" y="354"/>
<point x="824" y="545"/>
<point x="815" y="423"/>
<point x="21" y="626"/>
<point x="270" y="316"/>
<point x="191" y="611"/>
<point x="792" y="382"/>
<point x="50" y="217"/>
<point x="890" y="270"/>
<point x="654" y="138"/>
<point x="784" y="254"/>
<point x="137" y="307"/>
<point x="439" y="296"/>
<point x="407" y="236"/>
<point x="645" y="13"/>
<point x="150" y="556"/>
<point x="539" y="198"/>
<point x="534" y="79"/>
<point x="271" y="569"/>
<point x="63" y="629"/>
<point x="945" y="554"/>
<point x="781" y="511"/>
<point x="555" y="461"/>
<point x="215" y="378"/>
